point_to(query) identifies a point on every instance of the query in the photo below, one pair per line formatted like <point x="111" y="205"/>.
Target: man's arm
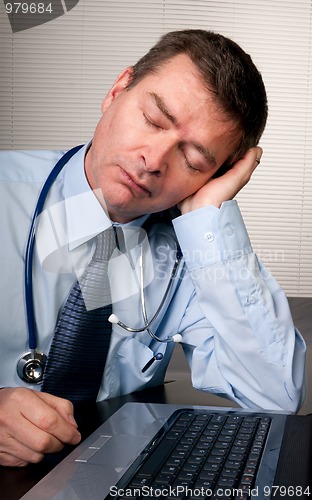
<point x="33" y="424"/>
<point x="245" y="346"/>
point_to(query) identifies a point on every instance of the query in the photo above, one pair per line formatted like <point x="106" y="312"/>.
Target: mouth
<point x="136" y="186"/>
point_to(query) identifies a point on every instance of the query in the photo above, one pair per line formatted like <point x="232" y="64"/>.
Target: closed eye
<point x="190" y="166"/>
<point x="151" y="123"/>
<point x="187" y="163"/>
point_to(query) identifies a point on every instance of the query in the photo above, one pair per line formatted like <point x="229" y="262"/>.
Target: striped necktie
<point x="78" y="352"/>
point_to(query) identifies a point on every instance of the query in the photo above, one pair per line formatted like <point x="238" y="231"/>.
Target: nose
<point x="157" y="155"/>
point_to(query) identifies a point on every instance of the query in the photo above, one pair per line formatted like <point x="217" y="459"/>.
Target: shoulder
<point x="27" y="165"/>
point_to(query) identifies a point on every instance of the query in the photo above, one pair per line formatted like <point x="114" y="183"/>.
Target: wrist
<point x="189" y="205"/>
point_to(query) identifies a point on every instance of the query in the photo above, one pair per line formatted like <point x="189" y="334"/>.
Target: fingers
<point x="240" y="174"/>
<point x="248" y="163"/>
<point x="11" y="461"/>
<point x="32" y="424"/>
<point x="252" y="158"/>
<point x="19" y="455"/>
<point x="62" y="406"/>
<point x="259" y="152"/>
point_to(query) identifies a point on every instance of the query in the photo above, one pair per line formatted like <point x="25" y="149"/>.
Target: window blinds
<point x="54" y="76"/>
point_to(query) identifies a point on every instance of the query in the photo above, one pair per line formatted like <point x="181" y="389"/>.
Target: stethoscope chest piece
<point x="30" y="369"/>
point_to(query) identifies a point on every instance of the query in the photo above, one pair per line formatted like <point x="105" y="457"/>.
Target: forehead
<point x="181" y="81"/>
<point x="191" y="103"/>
<point x="177" y="73"/>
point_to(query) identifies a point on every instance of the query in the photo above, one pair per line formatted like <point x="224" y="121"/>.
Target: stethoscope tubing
<point x="28" y="282"/>
<point x="171" y="279"/>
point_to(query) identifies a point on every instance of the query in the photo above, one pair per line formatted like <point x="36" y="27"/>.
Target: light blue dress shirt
<point x="237" y="331"/>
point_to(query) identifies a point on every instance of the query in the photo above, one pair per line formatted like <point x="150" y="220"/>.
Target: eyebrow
<point x="163" y="108"/>
<point x="160" y="103"/>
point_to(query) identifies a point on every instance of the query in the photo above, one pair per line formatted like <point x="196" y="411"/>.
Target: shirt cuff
<point x="210" y="235"/>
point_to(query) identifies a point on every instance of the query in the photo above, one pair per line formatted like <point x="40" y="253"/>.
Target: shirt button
<point x="209" y="237"/>
<point x="228" y="230"/>
<point x="251" y="299"/>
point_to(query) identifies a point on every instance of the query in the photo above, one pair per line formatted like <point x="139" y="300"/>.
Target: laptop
<point x="149" y="450"/>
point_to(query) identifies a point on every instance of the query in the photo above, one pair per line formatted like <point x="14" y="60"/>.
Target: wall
<point x="54" y="76"/>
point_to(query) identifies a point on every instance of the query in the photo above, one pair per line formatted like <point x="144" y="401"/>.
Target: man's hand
<point x="224" y="188"/>
<point x="33" y="423"/>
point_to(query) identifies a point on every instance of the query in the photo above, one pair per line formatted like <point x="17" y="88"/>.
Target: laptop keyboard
<point x="201" y="455"/>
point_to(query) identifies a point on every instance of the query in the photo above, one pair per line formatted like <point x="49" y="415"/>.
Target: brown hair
<point x="227" y="71"/>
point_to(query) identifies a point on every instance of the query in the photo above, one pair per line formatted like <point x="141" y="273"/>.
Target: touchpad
<point x="113" y="451"/>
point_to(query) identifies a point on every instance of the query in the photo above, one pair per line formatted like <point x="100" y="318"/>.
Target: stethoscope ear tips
<point x="113" y="319"/>
<point x="177" y="338"/>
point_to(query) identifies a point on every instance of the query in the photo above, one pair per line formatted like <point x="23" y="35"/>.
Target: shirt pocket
<point x="131" y="359"/>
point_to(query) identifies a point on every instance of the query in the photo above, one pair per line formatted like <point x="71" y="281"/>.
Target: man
<point x="171" y="128"/>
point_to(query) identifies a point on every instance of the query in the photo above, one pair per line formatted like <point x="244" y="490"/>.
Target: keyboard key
<point x="186" y="475"/>
<point x="215" y="459"/>
<point x="170" y="469"/>
<point x="236" y="456"/>
<point x="164" y="479"/>
<point x="175" y="462"/>
<point x="230" y="473"/>
<point x="251" y="462"/>
<point x="174" y="434"/>
<point x="235" y="419"/>
<point x="222" y="444"/>
<point x="243" y="488"/>
<point x="206" y="485"/>
<point x="181" y="483"/>
<point x="218" y="419"/>
<point x="183" y="447"/>
<point x="197" y="427"/>
<point x="203" y="446"/>
<point x="241" y="442"/>
<point x="239" y="449"/>
<point x="209" y="467"/>
<point x="208" y="475"/>
<point x="195" y="460"/>
<point x="247" y="479"/>
<point x="191" y="467"/>
<point x="233" y="464"/>
<point x="192" y="434"/>
<point x="180" y="454"/>
<point x="250" y="470"/>
<point x="140" y="481"/>
<point x="226" y="482"/>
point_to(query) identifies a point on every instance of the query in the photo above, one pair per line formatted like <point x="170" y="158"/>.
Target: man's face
<point x="158" y="142"/>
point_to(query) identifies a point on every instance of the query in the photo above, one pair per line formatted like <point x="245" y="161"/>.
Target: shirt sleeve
<point x="244" y="346"/>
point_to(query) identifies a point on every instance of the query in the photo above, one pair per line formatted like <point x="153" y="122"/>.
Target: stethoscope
<point x="174" y="338"/>
<point x="31" y="365"/>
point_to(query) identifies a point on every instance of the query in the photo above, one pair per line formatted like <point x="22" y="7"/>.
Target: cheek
<point x="110" y="129"/>
<point x="192" y="182"/>
<point x="184" y="186"/>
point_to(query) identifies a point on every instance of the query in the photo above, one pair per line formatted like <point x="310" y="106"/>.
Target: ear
<point x="121" y="83"/>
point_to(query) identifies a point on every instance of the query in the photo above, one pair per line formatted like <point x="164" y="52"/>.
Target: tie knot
<point x="105" y="245"/>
